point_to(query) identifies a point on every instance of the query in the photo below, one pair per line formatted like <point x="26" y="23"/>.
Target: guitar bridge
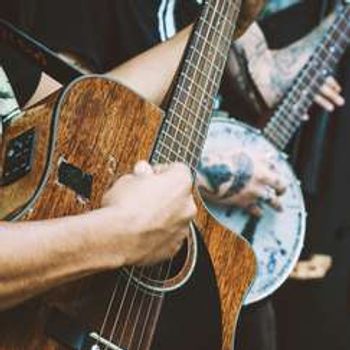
<point x="106" y="343"/>
<point x="68" y="332"/>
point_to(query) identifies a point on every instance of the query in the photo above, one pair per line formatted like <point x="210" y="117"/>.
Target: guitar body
<point x="85" y="138"/>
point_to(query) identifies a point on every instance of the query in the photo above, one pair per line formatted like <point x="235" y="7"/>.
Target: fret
<point x="191" y="102"/>
<point x="189" y="122"/>
<point x="209" y="62"/>
<point x="172" y="142"/>
<point x="161" y="156"/>
<point x="187" y="155"/>
<point x="339" y="38"/>
<point x="344" y="37"/>
<point x="274" y="137"/>
<point x="191" y="81"/>
<point x="182" y="136"/>
<point x="168" y="153"/>
<point x="284" y="126"/>
<point x="184" y="139"/>
<point x="214" y="31"/>
<point x="210" y="46"/>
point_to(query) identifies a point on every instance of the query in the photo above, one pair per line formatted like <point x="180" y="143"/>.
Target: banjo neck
<point x="286" y="119"/>
<point x="189" y="109"/>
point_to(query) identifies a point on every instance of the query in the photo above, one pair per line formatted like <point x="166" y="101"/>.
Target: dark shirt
<point x="102" y="33"/>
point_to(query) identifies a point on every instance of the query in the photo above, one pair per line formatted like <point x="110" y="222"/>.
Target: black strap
<point x="38" y="53"/>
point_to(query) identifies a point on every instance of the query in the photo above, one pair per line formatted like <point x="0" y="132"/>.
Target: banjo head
<point x="277" y="237"/>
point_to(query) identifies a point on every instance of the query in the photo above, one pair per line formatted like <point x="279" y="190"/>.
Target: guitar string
<point x="108" y="310"/>
<point x="148" y="309"/>
<point x="151" y="301"/>
<point x="121" y="336"/>
<point x="200" y="25"/>
<point x="207" y="78"/>
<point x="203" y="87"/>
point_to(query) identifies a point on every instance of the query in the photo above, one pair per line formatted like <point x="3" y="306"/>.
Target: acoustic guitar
<point x="70" y="147"/>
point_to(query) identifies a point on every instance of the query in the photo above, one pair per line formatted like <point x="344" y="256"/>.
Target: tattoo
<point x="216" y="175"/>
<point x="219" y="174"/>
<point x="243" y="174"/>
<point x="273" y="71"/>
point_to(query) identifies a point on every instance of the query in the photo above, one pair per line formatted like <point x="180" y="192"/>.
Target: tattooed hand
<point x="242" y="179"/>
<point x="273" y="71"/>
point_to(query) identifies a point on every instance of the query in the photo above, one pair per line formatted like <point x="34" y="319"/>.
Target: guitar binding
<point x="175" y="276"/>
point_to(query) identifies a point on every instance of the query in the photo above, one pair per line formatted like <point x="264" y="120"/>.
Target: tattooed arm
<point x="273" y="71"/>
<point x="240" y="178"/>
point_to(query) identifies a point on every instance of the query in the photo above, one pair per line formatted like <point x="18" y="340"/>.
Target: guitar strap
<point x="41" y="56"/>
<point x="38" y="53"/>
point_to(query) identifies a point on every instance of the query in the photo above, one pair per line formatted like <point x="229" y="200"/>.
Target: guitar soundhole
<point x="171" y="274"/>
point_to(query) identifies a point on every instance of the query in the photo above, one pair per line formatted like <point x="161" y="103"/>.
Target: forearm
<point x="151" y="73"/>
<point x="36" y="256"/>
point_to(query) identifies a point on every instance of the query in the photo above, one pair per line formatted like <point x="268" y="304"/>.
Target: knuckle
<point x="192" y="210"/>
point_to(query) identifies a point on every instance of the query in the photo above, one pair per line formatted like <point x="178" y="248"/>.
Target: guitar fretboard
<point x="189" y="111"/>
<point x="287" y="118"/>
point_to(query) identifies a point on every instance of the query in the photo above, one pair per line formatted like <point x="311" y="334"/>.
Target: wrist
<point x="108" y="237"/>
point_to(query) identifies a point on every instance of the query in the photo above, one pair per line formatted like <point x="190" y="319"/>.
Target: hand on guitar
<point x="144" y="218"/>
<point x="274" y="71"/>
<point x="330" y="96"/>
<point x="158" y="204"/>
<point x="242" y="179"/>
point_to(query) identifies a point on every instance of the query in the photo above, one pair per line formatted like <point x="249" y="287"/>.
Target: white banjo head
<point x="277" y="238"/>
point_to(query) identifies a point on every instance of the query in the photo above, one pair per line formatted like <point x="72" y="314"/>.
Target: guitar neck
<point x="190" y="107"/>
<point x="287" y="118"/>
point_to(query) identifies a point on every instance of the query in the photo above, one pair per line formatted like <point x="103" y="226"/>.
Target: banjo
<point x="277" y="237"/>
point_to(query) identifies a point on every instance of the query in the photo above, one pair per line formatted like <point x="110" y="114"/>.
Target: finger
<point x="275" y="203"/>
<point x="191" y="209"/>
<point x="160" y="168"/>
<point x="255" y="210"/>
<point x="324" y="103"/>
<point x="274" y="181"/>
<point x="333" y="96"/>
<point x="142" y="168"/>
<point x="183" y="174"/>
<point x="269" y="196"/>
<point x="332" y="82"/>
